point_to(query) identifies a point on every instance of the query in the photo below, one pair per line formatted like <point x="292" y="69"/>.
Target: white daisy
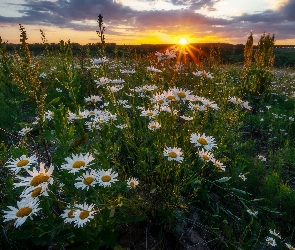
<point x="219" y="164"/>
<point x="68" y="215"/>
<point x="93" y="98"/>
<point x="173" y="154"/>
<point x="289" y="246"/>
<point x="196" y="107"/>
<point x="88" y="179"/>
<point x="273" y="232"/>
<point x="132" y="182"/>
<point x="153" y="125"/>
<point x="35" y="192"/>
<point x="149" y="113"/>
<point x="208" y="142"/>
<point x="22" y="162"/>
<point x="106" y="177"/>
<point x="25" y="131"/>
<point x="49" y="115"/>
<point x="242" y="176"/>
<point x="271" y="241"/>
<point x="82" y="214"/>
<point x="181" y="94"/>
<point x="206" y="155"/>
<point x="77" y="162"/>
<point x="153" y="69"/>
<point x="252" y="212"/>
<point x="261" y="158"/>
<point x="25" y="208"/>
<point x="36" y="178"/>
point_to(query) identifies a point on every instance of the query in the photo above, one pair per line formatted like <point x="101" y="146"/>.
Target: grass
<point x="244" y="189"/>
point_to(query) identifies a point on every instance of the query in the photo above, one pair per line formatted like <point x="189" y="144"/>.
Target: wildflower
<point x="149" y="113"/>
<point x="187" y="118"/>
<point x="242" y="176"/>
<point x="43" y="75"/>
<point x="22" y="162"/>
<point x="291" y="119"/>
<point x="271" y="241"/>
<point x="152" y="69"/>
<point x="203" y="74"/>
<point x="77" y="162"/>
<point x="102" y="81"/>
<point x="35" y="192"/>
<point x="99" y="60"/>
<point x="218" y="164"/>
<point x="206" y="155"/>
<point x="169" y="96"/>
<point x="159" y="99"/>
<point x="252" y="212"/>
<point x="68" y="215"/>
<point x="127" y="71"/>
<point x="93" y="98"/>
<point x="49" y="115"/>
<point x="173" y="154"/>
<point x="80" y="115"/>
<point x="181" y="94"/>
<point x="58" y="90"/>
<point x="132" y="182"/>
<point x="25" y="208"/>
<point x="115" y="88"/>
<point x="25" y="131"/>
<point x="261" y="158"/>
<point x="196" y="107"/>
<point x="208" y="142"/>
<point x="106" y="177"/>
<point x="153" y="125"/>
<point x="273" y="232"/>
<point x="168" y="55"/>
<point x="289" y="246"/>
<point x="86" y="180"/>
<point x="117" y="81"/>
<point x="82" y="214"/>
<point x="122" y="126"/>
<point x="36" y="178"/>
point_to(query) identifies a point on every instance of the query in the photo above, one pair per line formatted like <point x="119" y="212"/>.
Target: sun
<point x="183" y="41"/>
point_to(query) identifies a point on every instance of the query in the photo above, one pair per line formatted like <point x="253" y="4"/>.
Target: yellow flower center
<point x="22" y="163"/>
<point x="144" y="89"/>
<point x="79" y="116"/>
<point x="154" y="126"/>
<point x="172" y="154"/>
<point x="150" y="113"/>
<point x="202" y="141"/>
<point x="205" y="157"/>
<point x="37" y="180"/>
<point x="160" y="101"/>
<point x="70" y="214"/>
<point x="204" y="74"/>
<point x="24" y="211"/>
<point x="26" y="131"/>
<point x="92" y="113"/>
<point x="196" y="108"/>
<point x="171" y="97"/>
<point x="217" y="164"/>
<point x="51" y="114"/>
<point x="88" y="180"/>
<point x="181" y="95"/>
<point x="36" y="192"/>
<point x="132" y="184"/>
<point x="83" y="215"/>
<point x="78" y="164"/>
<point x="106" y="178"/>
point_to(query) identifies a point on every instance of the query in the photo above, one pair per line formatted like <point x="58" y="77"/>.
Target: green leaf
<point x="223" y="179"/>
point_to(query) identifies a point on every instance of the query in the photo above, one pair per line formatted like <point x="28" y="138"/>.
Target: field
<point x="146" y="152"/>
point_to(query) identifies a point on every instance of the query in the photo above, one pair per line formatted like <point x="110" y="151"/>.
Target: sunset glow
<point x="183" y="41"/>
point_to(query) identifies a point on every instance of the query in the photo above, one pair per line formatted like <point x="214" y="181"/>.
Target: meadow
<point x="146" y="152"/>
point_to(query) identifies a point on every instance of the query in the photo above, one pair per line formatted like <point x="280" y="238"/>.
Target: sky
<point x="148" y="21"/>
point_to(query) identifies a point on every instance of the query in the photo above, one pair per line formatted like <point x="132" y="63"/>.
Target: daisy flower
<point x="132" y="182"/>
<point x="99" y="60"/>
<point x="206" y="155"/>
<point x="22" y="162"/>
<point x="77" y="162"/>
<point x="181" y="94"/>
<point x="35" y="192"/>
<point x="36" y="178"/>
<point x="219" y="164"/>
<point x="153" y="69"/>
<point x="242" y="176"/>
<point x="289" y="246"/>
<point x="261" y="158"/>
<point x="173" y="154"/>
<point x="25" y="208"/>
<point x="106" y="177"/>
<point x="49" y="115"/>
<point x="187" y="118"/>
<point x="25" y="131"/>
<point x="102" y="81"/>
<point x="196" y="107"/>
<point x="117" y="81"/>
<point x="273" y="232"/>
<point x="149" y="113"/>
<point x="271" y="241"/>
<point x="252" y="212"/>
<point x="127" y="71"/>
<point x="58" y="90"/>
<point x="82" y="214"/>
<point x="153" y="125"/>
<point x="208" y="142"/>
<point x="88" y="179"/>
<point x="93" y="98"/>
<point x="68" y="215"/>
